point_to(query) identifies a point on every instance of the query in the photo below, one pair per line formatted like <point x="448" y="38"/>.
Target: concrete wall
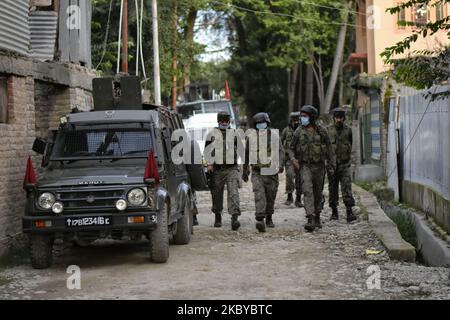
<point x="38" y="95"/>
<point x="428" y="200"/>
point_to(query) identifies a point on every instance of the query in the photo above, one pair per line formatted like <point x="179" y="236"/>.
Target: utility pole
<point x="157" y="81"/>
<point x="125" y="37"/>
<point x="174" y="58"/>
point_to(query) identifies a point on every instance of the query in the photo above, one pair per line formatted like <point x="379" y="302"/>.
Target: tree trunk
<point x="299" y="87"/>
<point x="341" y="85"/>
<point x="318" y="75"/>
<point x="309" y="85"/>
<point x="337" y="62"/>
<point x="243" y="51"/>
<point x="292" y="81"/>
<point x="189" y="37"/>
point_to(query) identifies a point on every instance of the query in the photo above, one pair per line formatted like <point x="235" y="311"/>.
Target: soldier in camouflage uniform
<point x="341" y="140"/>
<point x="310" y="152"/>
<point x="292" y="177"/>
<point x="225" y="174"/>
<point x="265" y="187"/>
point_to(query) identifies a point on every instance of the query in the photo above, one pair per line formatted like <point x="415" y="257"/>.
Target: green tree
<point x="105" y="27"/>
<point x="270" y="39"/>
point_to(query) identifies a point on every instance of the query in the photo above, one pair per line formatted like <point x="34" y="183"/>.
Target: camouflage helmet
<point x="295" y="114"/>
<point x="223" y="117"/>
<point x="311" y="111"/>
<point x="338" y="112"/>
<point x="261" y="117"/>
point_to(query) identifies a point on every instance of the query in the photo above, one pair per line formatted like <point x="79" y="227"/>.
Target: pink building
<point x="379" y="29"/>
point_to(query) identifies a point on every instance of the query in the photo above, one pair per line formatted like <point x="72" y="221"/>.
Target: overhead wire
<point x="105" y="42"/>
<point x="120" y="37"/>
<point x="138" y="38"/>
<point x="285" y="15"/>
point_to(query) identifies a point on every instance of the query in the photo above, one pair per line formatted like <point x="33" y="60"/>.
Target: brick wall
<point x="16" y="139"/>
<point x="52" y="102"/>
<point x="34" y="107"/>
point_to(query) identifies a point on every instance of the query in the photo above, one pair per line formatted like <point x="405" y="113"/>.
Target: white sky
<point x="214" y="41"/>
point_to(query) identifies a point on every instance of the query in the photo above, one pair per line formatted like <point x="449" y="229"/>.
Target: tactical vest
<point x="225" y="148"/>
<point x="311" y="146"/>
<point x="286" y="136"/>
<point x="341" y="142"/>
<point x="259" y="165"/>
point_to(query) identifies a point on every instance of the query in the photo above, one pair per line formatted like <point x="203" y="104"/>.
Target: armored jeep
<point x="109" y="173"/>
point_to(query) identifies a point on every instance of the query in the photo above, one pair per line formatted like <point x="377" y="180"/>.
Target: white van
<point x="187" y="110"/>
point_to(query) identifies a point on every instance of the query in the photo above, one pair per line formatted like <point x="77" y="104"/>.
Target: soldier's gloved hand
<point x="296" y="164"/>
<point x="245" y="177"/>
<point x="331" y="170"/>
<point x="281" y="170"/>
<point x="210" y="168"/>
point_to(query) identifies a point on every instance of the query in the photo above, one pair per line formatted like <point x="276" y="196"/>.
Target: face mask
<point x="305" y="121"/>
<point x="261" y="125"/>
<point x="223" y="126"/>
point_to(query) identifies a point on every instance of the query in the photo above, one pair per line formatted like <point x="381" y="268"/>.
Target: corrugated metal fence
<point x="34" y="34"/>
<point x="43" y="26"/>
<point x="425" y="140"/>
<point x="14" y="30"/>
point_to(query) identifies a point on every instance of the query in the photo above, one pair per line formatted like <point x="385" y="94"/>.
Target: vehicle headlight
<point x="136" y="197"/>
<point x="46" y="200"/>
<point x="57" y="207"/>
<point x="121" y="205"/>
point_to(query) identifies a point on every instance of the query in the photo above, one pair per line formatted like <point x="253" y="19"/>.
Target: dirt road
<point x="283" y="263"/>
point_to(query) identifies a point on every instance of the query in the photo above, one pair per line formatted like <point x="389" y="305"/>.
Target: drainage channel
<point x="432" y="247"/>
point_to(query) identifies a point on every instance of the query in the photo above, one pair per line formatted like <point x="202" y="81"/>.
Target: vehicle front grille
<point x="90" y="198"/>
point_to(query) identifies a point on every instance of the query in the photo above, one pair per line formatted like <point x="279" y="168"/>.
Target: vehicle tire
<point x="159" y="239"/>
<point x="41" y="251"/>
<point x="184" y="226"/>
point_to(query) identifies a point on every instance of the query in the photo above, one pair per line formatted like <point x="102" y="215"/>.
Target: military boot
<point x="289" y="199"/>
<point x="334" y="214"/>
<point x="350" y="215"/>
<point x="317" y="222"/>
<point x="269" y="222"/>
<point x="195" y="221"/>
<point x="235" y="224"/>
<point x="310" y="225"/>
<point x="218" y="221"/>
<point x="298" y="201"/>
<point x="260" y="225"/>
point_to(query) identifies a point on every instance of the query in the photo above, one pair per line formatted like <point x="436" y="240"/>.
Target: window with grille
<point x="420" y="15"/>
<point x="439" y="12"/>
<point x="108" y="143"/>
<point x="401" y="18"/>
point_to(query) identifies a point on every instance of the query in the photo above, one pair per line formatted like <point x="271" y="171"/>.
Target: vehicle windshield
<point x="190" y="110"/>
<point x="102" y="143"/>
<point x="187" y="111"/>
<point x="216" y="107"/>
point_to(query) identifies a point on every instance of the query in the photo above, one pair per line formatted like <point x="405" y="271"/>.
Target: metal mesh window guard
<point x="104" y="143"/>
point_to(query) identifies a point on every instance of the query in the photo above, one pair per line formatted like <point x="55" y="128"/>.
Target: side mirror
<point x="39" y="145"/>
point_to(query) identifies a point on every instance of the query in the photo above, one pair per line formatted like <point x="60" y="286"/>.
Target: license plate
<point x="88" y="221"/>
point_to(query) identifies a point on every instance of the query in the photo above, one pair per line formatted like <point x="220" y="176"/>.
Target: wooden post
<point x="157" y="80"/>
<point x="125" y="37"/>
